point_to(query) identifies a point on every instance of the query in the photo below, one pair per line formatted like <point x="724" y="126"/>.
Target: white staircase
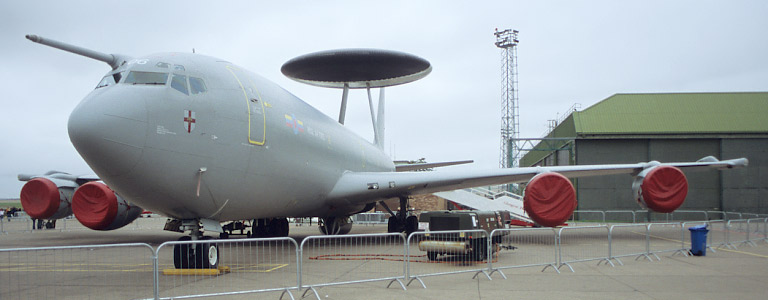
<point x="485" y="199"/>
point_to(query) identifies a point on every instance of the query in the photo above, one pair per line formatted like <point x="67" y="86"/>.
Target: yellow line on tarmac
<point x="742" y="252"/>
<point x="728" y="250"/>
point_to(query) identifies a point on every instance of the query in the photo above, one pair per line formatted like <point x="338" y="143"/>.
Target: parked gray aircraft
<point x="203" y="141"/>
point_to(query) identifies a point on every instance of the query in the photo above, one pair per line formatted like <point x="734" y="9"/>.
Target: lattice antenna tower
<point x="510" y="151"/>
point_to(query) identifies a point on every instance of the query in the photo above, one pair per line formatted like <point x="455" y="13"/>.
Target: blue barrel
<point x="699" y="240"/>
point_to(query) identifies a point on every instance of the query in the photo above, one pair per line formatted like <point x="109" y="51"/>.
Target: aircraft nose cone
<point x="109" y="131"/>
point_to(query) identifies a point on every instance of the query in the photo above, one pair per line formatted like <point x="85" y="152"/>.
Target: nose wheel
<point x="195" y="255"/>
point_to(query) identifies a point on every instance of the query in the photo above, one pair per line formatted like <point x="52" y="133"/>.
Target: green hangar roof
<point x="674" y="113"/>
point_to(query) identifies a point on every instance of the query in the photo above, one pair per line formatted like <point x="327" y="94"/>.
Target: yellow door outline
<point x="260" y="140"/>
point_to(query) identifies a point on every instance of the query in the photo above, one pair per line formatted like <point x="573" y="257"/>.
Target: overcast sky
<point x="569" y="52"/>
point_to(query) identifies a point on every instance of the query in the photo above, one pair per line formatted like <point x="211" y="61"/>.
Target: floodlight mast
<point x="510" y="151"/>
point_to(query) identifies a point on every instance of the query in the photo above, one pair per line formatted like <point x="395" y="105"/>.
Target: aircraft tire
<point x="208" y="255"/>
<point x="281" y="228"/>
<point x="393" y="224"/>
<point x="411" y="224"/>
<point x="182" y="256"/>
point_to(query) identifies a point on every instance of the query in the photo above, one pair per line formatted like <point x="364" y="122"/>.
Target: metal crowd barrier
<point x="245" y="266"/>
<point x="282" y="265"/>
<point x="690" y="215"/>
<point x="525" y="247"/>
<point x="739" y="232"/>
<point x="719" y="235"/>
<point x="665" y="237"/>
<point x="621" y="216"/>
<point x="370" y="218"/>
<point x="327" y="260"/>
<point x="77" y="272"/>
<point x="16" y="224"/>
<point x="435" y="253"/>
<point x="590" y="216"/>
<point x="570" y="251"/>
<point x="716" y="215"/>
<point x="628" y="240"/>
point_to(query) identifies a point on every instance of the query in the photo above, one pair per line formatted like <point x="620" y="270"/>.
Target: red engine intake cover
<point x="40" y="198"/>
<point x="550" y="199"/>
<point x="664" y="189"/>
<point x="95" y="205"/>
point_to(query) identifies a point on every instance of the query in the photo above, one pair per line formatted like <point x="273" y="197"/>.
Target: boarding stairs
<point x="488" y="199"/>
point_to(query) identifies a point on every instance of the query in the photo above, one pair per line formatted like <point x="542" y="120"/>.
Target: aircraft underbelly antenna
<point x="113" y="60"/>
<point x="358" y="69"/>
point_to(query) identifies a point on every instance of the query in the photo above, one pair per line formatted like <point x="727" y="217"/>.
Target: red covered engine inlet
<point x="661" y="189"/>
<point x="97" y="207"/>
<point x="41" y="198"/>
<point x="549" y="199"/>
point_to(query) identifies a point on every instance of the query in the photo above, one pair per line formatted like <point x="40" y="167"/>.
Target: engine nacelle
<point x="97" y="207"/>
<point x="661" y="189"/>
<point x="549" y="199"/>
<point x="47" y="197"/>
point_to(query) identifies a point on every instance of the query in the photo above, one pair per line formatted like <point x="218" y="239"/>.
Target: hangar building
<point x="631" y="128"/>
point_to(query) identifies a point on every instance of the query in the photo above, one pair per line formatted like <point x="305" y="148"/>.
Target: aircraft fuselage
<point x="191" y="136"/>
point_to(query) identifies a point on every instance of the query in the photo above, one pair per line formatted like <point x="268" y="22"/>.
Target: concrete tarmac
<point x="726" y="274"/>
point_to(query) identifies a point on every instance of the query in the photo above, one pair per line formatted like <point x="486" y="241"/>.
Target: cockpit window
<point x="163" y="65"/>
<point x="110" y="79"/>
<point x="151" y="78"/>
<point x="197" y="85"/>
<point x="179" y="82"/>
<point x="178" y="68"/>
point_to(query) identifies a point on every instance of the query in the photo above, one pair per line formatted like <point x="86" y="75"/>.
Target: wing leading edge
<point x="367" y="187"/>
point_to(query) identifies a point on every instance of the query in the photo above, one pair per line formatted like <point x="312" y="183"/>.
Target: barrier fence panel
<point x="738" y="232"/>
<point x="582" y="243"/>
<point x="370" y="218"/>
<point x="589" y="216"/>
<point x="245" y="266"/>
<point x="718" y="235"/>
<point x="345" y="259"/>
<point x="620" y="216"/>
<point x="665" y="237"/>
<point x="628" y="240"/>
<point x="757" y="230"/>
<point x="729" y="215"/>
<point x="16" y="224"/>
<point x="524" y="247"/>
<point x="434" y="253"/>
<point x="690" y="215"/>
<point x="120" y="271"/>
<point x="716" y="215"/>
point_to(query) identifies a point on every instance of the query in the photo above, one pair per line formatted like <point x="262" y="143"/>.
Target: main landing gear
<point x="401" y="221"/>
<point x="262" y="228"/>
<point x="198" y="255"/>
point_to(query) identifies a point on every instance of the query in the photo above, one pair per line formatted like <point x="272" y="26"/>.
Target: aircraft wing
<point x="367" y="187"/>
<point x="423" y="166"/>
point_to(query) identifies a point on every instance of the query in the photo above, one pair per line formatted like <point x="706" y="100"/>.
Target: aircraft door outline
<point x="255" y="107"/>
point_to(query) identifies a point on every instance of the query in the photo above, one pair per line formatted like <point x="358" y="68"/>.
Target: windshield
<point x="110" y="79"/>
<point x="152" y="78"/>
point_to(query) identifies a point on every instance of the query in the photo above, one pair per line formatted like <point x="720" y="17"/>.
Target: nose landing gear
<point x="203" y="255"/>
